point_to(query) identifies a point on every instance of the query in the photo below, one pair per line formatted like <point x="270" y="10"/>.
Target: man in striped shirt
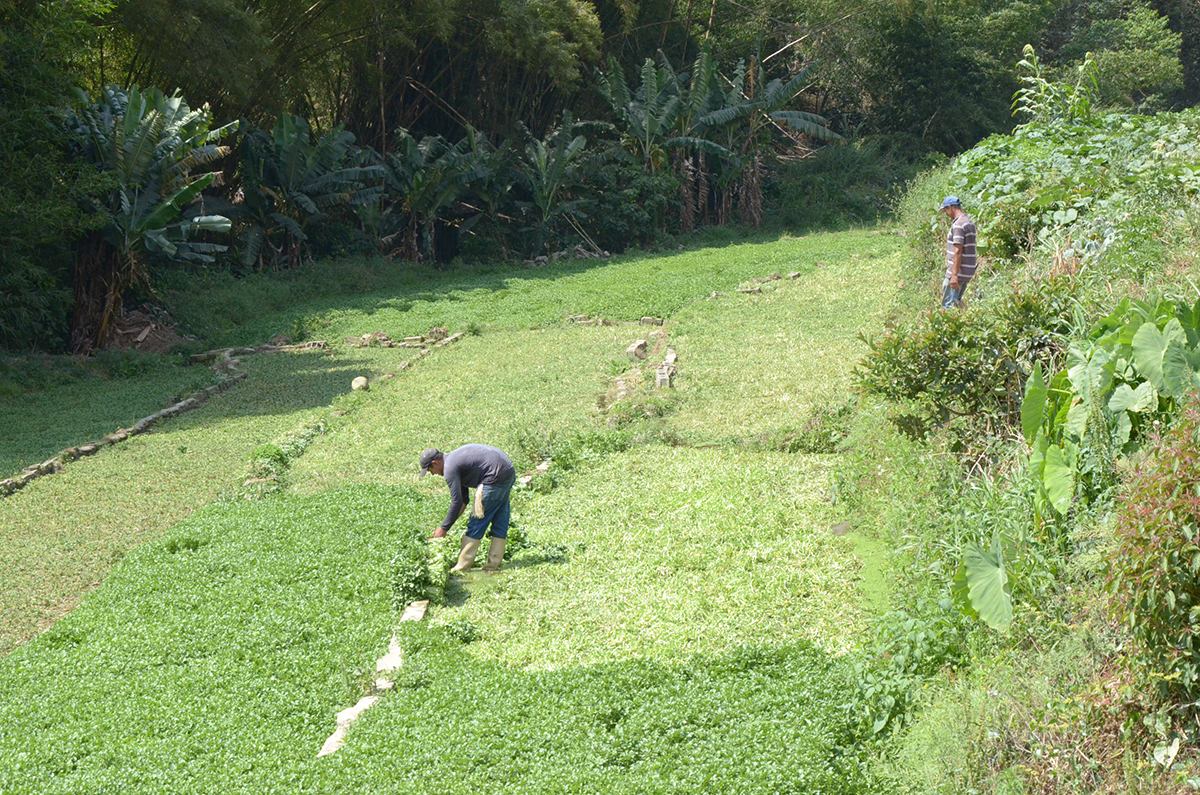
<point x="960" y="253"/>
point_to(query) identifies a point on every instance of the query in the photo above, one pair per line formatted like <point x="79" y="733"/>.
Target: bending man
<point x="491" y="474"/>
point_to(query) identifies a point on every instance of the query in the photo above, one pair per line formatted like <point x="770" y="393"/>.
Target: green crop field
<point x="675" y="617"/>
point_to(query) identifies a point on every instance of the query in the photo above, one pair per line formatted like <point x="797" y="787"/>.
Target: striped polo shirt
<point x="962" y="231"/>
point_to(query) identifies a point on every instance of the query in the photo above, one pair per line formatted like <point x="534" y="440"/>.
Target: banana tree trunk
<point x="99" y="288"/>
<point x="686" y="171"/>
<point x="750" y="198"/>
<point x="410" y="248"/>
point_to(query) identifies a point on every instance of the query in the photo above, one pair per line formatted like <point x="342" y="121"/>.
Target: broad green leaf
<point x="1033" y="407"/>
<point x="1122" y="398"/>
<point x="210" y="223"/>
<point x="959" y="592"/>
<point x="1124" y="428"/>
<point x="1090" y="373"/>
<point x="1148" y="348"/>
<point x="987" y="584"/>
<point x="1058" y="479"/>
<point x="1077" y="419"/>
<point x="1178" y="373"/>
<point x="1174" y="331"/>
<point x="1037" y="459"/>
<point x="1125" y="398"/>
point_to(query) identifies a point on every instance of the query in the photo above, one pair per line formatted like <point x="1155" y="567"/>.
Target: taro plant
<point x="1005" y="555"/>
<point x="1132" y="370"/>
<point x="150" y="146"/>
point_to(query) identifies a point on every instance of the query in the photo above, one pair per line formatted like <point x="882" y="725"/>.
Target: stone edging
<point x="384" y="666"/>
<point x="59" y="461"/>
<point x="225" y="365"/>
<point x="424" y="351"/>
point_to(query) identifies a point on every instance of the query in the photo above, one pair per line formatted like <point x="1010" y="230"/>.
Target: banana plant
<point x="548" y="169"/>
<point x="662" y="113"/>
<point x="490" y="174"/>
<point x="150" y="145"/>
<point x="754" y="112"/>
<point x="290" y="181"/>
<point x="422" y="181"/>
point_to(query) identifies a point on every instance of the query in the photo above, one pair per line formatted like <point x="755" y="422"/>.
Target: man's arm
<point x="458" y="499"/>
<point x="957" y="263"/>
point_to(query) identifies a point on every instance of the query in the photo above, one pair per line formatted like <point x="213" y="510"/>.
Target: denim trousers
<point x="496" y="511"/>
<point x="950" y="296"/>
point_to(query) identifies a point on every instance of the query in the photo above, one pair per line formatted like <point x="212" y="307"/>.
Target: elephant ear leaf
<point x="1125" y="398"/>
<point x="987" y="584"/>
<point x="1148" y="349"/>
<point x="1058" y="478"/>
<point x="1033" y="407"/>
<point x="960" y="592"/>
<point x="1177" y="370"/>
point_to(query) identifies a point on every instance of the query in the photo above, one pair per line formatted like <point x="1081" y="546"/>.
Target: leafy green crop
<point x="748" y="720"/>
<point x="215" y="660"/>
<point x="1080" y="189"/>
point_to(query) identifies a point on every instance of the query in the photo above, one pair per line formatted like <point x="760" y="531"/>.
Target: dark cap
<point x="427" y="459"/>
<point x="951" y="201"/>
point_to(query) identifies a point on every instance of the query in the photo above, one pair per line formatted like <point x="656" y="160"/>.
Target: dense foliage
<point x="148" y="145"/>
<point x="970" y="366"/>
<point x="702" y="117"/>
<point x="1074" y="360"/>
<point x="1156" y="573"/>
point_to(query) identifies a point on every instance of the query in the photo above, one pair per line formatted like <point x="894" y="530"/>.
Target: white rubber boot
<point x="495" y="555"/>
<point x="466" y="555"/>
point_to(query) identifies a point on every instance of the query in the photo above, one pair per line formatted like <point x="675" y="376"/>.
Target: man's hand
<point x="439" y="533"/>
<point x="954" y="281"/>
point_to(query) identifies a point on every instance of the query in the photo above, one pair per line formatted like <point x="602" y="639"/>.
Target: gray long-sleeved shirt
<point x="469" y="467"/>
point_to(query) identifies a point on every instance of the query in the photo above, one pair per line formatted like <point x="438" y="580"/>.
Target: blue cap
<point x="951" y="201"/>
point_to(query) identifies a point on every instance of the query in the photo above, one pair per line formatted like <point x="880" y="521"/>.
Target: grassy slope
<point x="34" y="422"/>
<point x="61" y="534"/>
<point x="716" y="549"/>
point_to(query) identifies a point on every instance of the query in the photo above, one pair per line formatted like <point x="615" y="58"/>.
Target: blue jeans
<point x="496" y="510"/>
<point x="950" y="296"/>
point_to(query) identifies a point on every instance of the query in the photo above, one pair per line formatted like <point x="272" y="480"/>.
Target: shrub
<point x="952" y="364"/>
<point x="627" y="207"/>
<point x="971" y="364"/>
<point x="1156" y="571"/>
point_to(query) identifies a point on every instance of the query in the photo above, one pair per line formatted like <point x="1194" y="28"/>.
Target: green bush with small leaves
<point x="969" y="364"/>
